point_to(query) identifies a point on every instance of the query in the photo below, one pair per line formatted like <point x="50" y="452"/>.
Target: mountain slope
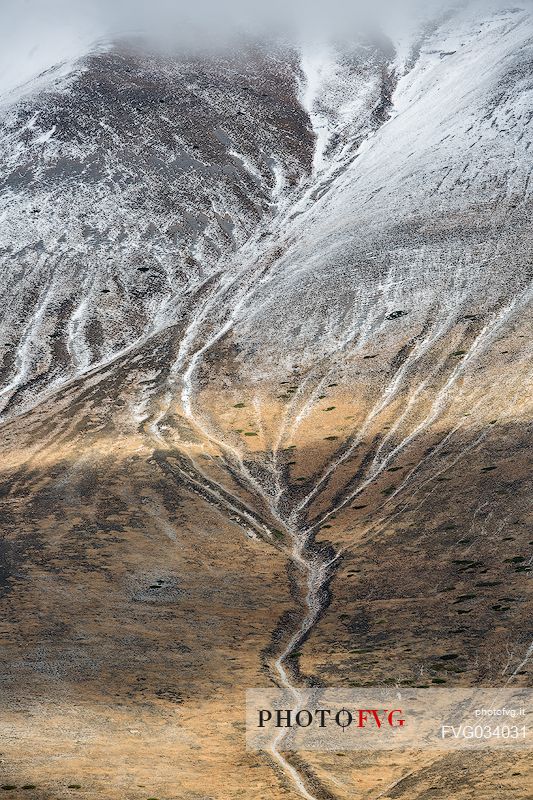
<point x="294" y="450"/>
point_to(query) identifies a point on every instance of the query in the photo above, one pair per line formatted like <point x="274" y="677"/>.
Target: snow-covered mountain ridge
<point x="266" y="405"/>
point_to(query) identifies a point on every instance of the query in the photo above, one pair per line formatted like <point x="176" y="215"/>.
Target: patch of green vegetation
<point x="464" y="597"/>
<point x="238" y="430"/>
<point x="366" y="358"/>
<point x="388" y="491"/>
<point x="358" y="508"/>
<point x="459" y="353"/>
<point x="331" y="385"/>
<point x="394" y="469"/>
<point x="29" y="786"/>
<point x="515" y="560"/>
<point x="250" y="433"/>
<point x="438" y="680"/>
<point x="239" y="405"/>
<point x="74" y="786"/>
<point x="278" y="534"/>
<point x="331" y="408"/>
<point x="523" y="569"/>
<point x="488" y="469"/>
<point x="8" y="787"/>
<point x="472" y="567"/>
<point x="326" y="526"/>
<point x="396" y="315"/>
<point x="331" y="438"/>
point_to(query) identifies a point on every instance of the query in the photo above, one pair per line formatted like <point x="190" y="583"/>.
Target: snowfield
<point x="129" y="182"/>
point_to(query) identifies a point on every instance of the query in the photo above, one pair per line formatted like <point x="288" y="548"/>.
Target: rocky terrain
<point x="266" y="404"/>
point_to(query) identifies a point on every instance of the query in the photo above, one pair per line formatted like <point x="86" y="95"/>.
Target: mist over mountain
<point x="40" y="34"/>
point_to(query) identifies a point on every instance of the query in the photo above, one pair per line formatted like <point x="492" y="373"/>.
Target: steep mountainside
<point x="266" y="364"/>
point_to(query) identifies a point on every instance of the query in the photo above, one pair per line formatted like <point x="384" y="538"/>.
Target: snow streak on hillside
<point x="130" y="182"/>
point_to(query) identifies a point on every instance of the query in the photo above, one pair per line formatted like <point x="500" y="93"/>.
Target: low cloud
<point x="37" y="34"/>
